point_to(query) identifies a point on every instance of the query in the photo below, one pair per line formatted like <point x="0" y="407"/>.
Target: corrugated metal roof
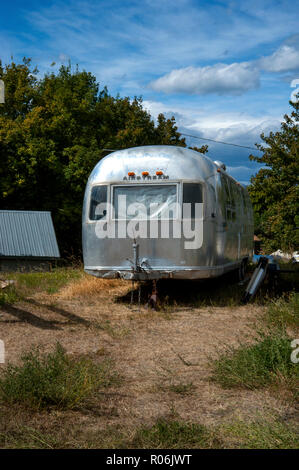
<point x="27" y="233"/>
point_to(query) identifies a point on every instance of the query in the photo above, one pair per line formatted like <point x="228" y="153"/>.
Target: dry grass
<point x="89" y="286"/>
<point x="163" y="356"/>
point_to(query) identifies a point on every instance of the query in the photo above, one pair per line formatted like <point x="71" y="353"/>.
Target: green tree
<point x="202" y="149"/>
<point x="274" y="190"/>
<point x="52" y="133"/>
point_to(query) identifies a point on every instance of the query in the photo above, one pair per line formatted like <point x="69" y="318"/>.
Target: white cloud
<point x="233" y="79"/>
<point x="227" y="79"/>
<point x="136" y="38"/>
<point x="284" y="59"/>
<point x="232" y="127"/>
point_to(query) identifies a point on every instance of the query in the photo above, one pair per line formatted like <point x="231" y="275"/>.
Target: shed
<point x="27" y="241"/>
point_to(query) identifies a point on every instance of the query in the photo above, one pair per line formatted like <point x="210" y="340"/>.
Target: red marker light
<point x="131" y="173"/>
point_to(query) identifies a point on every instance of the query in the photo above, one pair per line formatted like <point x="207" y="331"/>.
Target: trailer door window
<point x="98" y="196"/>
<point x="145" y="201"/>
<point x="192" y="193"/>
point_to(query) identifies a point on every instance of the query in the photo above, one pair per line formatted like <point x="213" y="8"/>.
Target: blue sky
<point x="224" y="69"/>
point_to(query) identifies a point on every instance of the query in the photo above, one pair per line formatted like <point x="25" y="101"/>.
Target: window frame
<point x="88" y="205"/>
<point x="143" y="184"/>
<point x="203" y="189"/>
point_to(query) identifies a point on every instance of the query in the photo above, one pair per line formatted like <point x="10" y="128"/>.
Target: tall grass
<point x="256" y="365"/>
<point x="52" y="380"/>
<point x="284" y="312"/>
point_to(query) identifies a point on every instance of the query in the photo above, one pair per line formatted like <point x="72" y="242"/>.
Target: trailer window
<point x="192" y="193"/>
<point x="225" y="184"/>
<point x="98" y="196"/>
<point x="145" y="202"/>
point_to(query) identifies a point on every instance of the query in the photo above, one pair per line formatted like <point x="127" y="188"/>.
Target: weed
<point x="256" y="365"/>
<point x="168" y="434"/>
<point x="9" y="295"/>
<point x="53" y="379"/>
<point x="284" y="311"/>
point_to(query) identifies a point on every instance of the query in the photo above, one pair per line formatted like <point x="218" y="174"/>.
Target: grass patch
<point x="48" y="433"/>
<point x="260" y="434"/>
<point x="52" y="380"/>
<point x="173" y="435"/>
<point x="49" y="282"/>
<point x="256" y="365"/>
<point x="284" y="312"/>
<point x="90" y="287"/>
<point x="9" y="295"/>
<point x="179" y="388"/>
<point x="182" y="388"/>
<point x="25" y="437"/>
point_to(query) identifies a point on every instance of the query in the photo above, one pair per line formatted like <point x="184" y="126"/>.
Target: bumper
<point x="176" y="272"/>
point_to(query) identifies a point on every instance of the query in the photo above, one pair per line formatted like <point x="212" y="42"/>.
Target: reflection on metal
<point x="256" y="280"/>
<point x="227" y="219"/>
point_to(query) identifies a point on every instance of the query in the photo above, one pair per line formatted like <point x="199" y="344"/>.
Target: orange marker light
<point x="159" y="173"/>
<point x="131" y="173"/>
<point x="145" y="173"/>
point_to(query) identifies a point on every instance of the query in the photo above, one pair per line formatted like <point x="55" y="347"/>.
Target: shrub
<point x="53" y="379"/>
<point x="256" y="365"/>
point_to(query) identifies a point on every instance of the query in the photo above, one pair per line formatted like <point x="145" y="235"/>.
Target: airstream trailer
<point x="135" y="225"/>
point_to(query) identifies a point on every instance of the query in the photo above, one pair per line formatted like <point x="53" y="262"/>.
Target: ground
<point x="162" y="358"/>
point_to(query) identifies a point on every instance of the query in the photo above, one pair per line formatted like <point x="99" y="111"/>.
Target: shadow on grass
<point x="224" y="291"/>
<point x="72" y="317"/>
<point x="25" y="316"/>
<point x="28" y="317"/>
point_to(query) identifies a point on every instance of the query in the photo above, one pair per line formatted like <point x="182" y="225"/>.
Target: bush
<point x="54" y="379"/>
<point x="9" y="295"/>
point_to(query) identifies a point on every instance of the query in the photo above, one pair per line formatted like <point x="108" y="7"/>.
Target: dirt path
<point x="163" y="358"/>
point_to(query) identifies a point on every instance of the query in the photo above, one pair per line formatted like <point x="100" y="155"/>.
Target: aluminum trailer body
<point x="164" y="175"/>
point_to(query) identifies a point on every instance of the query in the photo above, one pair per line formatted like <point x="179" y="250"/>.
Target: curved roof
<point x="175" y="162"/>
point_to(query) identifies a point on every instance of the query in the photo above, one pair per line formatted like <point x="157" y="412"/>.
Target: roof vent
<point x="220" y="164"/>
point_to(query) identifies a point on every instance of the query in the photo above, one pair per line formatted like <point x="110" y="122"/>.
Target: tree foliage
<point x="52" y="133"/>
<point x="274" y="190"/>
